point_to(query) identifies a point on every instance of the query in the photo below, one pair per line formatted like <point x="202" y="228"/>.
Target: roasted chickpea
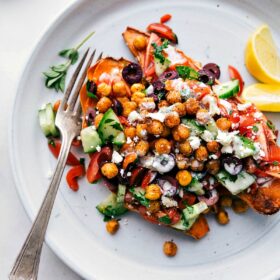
<point x="119" y="89"/>
<point x="137" y="87"/>
<point x="166" y="131"/>
<point x="140" y="42"/>
<point x="153" y="192"/>
<point x="182" y="162"/>
<point x="155" y="128"/>
<point x="109" y="170"/>
<point x="128" y="107"/>
<point x="185" y="148"/>
<point x="196" y="165"/>
<point x="122" y="100"/>
<point x="203" y="116"/>
<point x="138" y="96"/>
<point x="213" y="146"/>
<point x="184" y="177"/>
<point x="163" y="103"/>
<point x="141" y="130"/>
<point x="154" y="206"/>
<point x="98" y="119"/>
<point x="213" y="166"/>
<point x="104" y="89"/>
<point x="225" y="201"/>
<point x="173" y="97"/>
<point x="180" y="109"/>
<point x="130" y="131"/>
<point x="239" y="206"/>
<point x="128" y="148"/>
<point x="103" y="104"/>
<point x="222" y="217"/>
<point x="201" y="153"/>
<point x="142" y="148"/>
<point x="192" y="106"/>
<point x="112" y="226"/>
<point x="162" y="146"/>
<point x="183" y="132"/>
<point x="147" y="104"/>
<point x="175" y="134"/>
<point x="170" y="248"/>
<point x="223" y="124"/>
<point x="172" y="119"/>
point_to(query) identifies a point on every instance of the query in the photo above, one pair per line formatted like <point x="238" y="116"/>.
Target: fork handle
<point x="27" y="262"/>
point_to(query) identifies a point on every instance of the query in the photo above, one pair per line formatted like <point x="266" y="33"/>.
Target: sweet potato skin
<point x="199" y="229"/>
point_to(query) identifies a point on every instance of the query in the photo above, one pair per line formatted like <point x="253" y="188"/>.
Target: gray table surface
<point x="21" y="24"/>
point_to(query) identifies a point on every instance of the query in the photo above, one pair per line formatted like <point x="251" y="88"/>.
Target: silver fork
<point x="69" y="123"/>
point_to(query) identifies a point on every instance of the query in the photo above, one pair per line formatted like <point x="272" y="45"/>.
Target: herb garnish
<point x="186" y="72"/>
<point x="165" y="220"/>
<point x="255" y="129"/>
<point x="270" y="125"/>
<point x="140" y="196"/>
<point x="158" y="51"/>
<point x="275" y="163"/>
<point x="55" y="76"/>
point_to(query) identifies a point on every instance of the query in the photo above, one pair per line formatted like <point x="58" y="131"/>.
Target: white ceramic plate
<point x="210" y="31"/>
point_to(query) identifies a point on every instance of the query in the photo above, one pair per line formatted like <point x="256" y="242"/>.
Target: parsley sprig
<point x="158" y="51"/>
<point x="55" y="76"/>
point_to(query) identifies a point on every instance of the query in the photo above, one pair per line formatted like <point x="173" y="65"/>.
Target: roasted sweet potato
<point x="199" y="229"/>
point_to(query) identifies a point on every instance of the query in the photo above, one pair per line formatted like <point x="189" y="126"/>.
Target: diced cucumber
<point x="235" y="184"/>
<point x="183" y="224"/>
<point x="212" y="127"/>
<point x="243" y="147"/>
<point x="110" y="129"/>
<point x="121" y="193"/>
<point x="192" y="212"/>
<point x="119" y="139"/>
<point x="90" y="139"/>
<point x="196" y="187"/>
<point x="110" y="207"/>
<point x="47" y="121"/>
<point x="139" y="194"/>
<point x="161" y="67"/>
<point x="196" y="129"/>
<point x="227" y="90"/>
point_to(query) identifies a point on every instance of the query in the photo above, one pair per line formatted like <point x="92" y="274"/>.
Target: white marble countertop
<point x="21" y="25"/>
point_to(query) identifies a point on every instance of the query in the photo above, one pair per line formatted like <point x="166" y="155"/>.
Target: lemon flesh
<point x="261" y="57"/>
<point x="266" y="97"/>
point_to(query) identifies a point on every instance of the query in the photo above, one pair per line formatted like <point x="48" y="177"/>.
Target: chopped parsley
<point x="158" y="51"/>
<point x="186" y="72"/>
<point x="247" y="143"/>
<point x="140" y="196"/>
<point x="275" y="163"/>
<point x="165" y="220"/>
<point x="255" y="129"/>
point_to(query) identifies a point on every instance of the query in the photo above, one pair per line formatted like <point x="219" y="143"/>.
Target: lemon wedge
<point x="261" y="57"/>
<point x="266" y="97"/>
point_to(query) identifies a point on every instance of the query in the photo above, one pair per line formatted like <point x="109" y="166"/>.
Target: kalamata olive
<point x="168" y="75"/>
<point x="132" y="73"/>
<point x="232" y="165"/>
<point x="90" y="115"/>
<point x="169" y="185"/>
<point x="159" y="86"/>
<point x="206" y="77"/>
<point x="214" y="68"/>
<point x="117" y="107"/>
<point x="210" y="198"/>
<point x="112" y="185"/>
<point x="91" y="87"/>
<point x="209" y="183"/>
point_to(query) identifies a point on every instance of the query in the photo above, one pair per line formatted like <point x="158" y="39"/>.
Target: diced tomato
<point x="150" y="175"/>
<point x="187" y="199"/>
<point x="123" y="120"/>
<point x="76" y="143"/>
<point x="165" y="18"/>
<point x="246" y="121"/>
<point x="274" y="153"/>
<point x="73" y="174"/>
<point x="260" y="173"/>
<point x="97" y="158"/>
<point x="136" y="174"/>
<point x="174" y="215"/>
<point x="163" y="31"/>
<point x="234" y="74"/>
<point x="143" y="212"/>
<point x="55" y="147"/>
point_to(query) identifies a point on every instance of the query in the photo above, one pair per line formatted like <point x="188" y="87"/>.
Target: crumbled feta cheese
<point x="134" y="116"/>
<point x="213" y="106"/>
<point x="213" y="156"/>
<point x="225" y="138"/>
<point x="148" y="105"/>
<point x="207" y="136"/>
<point x="182" y="87"/>
<point x="168" y="202"/>
<point x="259" y="153"/>
<point x="243" y="107"/>
<point x="226" y="104"/>
<point x="128" y="174"/>
<point x="227" y="149"/>
<point x="181" y="192"/>
<point x="174" y="56"/>
<point x="177" y="151"/>
<point x="194" y="142"/>
<point x="240" y="149"/>
<point x="159" y="116"/>
<point x="49" y="174"/>
<point x="258" y="115"/>
<point x="135" y="138"/>
<point x="168" y="189"/>
<point x="150" y="90"/>
<point x="128" y="140"/>
<point x="79" y="138"/>
<point x="116" y="157"/>
<point x="98" y="148"/>
<point x="122" y="172"/>
<point x="97" y="112"/>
